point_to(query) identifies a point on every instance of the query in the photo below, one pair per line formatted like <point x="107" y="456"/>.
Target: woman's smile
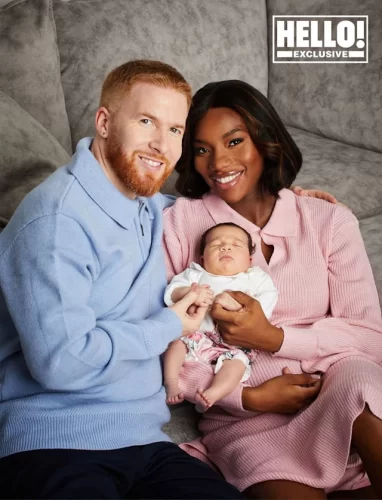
<point x="228" y="181"/>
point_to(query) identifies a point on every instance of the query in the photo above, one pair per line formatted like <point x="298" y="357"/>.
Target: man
<point x="82" y="322"/>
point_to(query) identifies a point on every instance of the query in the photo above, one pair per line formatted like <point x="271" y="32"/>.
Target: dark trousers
<point x="158" y="470"/>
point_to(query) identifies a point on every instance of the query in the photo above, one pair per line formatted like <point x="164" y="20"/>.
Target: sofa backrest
<point x="339" y="101"/>
<point x="34" y="127"/>
<point x="55" y="54"/>
<point x="205" y="40"/>
<point x="30" y="65"/>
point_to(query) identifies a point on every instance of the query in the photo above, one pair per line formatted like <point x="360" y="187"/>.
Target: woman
<point x="238" y="161"/>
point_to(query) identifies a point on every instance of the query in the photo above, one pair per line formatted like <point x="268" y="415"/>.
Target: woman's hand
<point x="287" y="393"/>
<point x="248" y="327"/>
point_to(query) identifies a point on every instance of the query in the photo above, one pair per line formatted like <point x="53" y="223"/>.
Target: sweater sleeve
<point x="175" y="262"/>
<point x="353" y="325"/>
<point x="168" y="200"/>
<point x="46" y="275"/>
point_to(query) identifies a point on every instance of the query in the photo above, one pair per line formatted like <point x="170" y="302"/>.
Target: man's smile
<point x="152" y="164"/>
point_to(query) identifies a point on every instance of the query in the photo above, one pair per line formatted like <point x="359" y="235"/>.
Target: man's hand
<point x="204" y="298"/>
<point x="314" y="193"/>
<point x="287" y="393"/>
<point x="248" y="327"/>
<point x="191" y="321"/>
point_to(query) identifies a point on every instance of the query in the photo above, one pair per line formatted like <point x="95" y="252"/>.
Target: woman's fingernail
<point x="316" y="376"/>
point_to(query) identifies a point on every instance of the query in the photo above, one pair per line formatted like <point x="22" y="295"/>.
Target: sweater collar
<point x="93" y="180"/>
<point x="281" y="223"/>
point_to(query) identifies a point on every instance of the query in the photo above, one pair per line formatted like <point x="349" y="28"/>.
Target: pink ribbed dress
<point x="329" y="310"/>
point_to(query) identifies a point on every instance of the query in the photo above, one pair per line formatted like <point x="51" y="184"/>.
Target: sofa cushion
<point x="339" y="101"/>
<point x="183" y="426"/>
<point x="198" y="37"/>
<point x="169" y="186"/>
<point x="30" y="66"/>
<point x="349" y="173"/>
<point x="372" y="236"/>
<point x="29" y="153"/>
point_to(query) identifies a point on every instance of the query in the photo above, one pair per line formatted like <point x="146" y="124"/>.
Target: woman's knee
<point x="351" y="378"/>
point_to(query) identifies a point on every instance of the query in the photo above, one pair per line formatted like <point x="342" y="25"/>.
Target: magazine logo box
<point x="320" y="39"/>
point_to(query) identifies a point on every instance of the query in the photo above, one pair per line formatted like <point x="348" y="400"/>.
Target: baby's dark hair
<point x="251" y="246"/>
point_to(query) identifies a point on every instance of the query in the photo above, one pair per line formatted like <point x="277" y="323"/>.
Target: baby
<point x="226" y="252"/>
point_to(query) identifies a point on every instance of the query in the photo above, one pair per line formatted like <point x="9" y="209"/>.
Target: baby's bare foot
<point x="203" y="400"/>
<point x="174" y="396"/>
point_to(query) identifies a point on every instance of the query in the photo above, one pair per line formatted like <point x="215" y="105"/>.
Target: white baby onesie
<point x="254" y="282"/>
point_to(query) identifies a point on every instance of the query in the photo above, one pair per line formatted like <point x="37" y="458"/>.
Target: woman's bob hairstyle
<point x="282" y="158"/>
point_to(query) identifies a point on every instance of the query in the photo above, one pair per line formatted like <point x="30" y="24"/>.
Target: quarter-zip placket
<point x="141" y="205"/>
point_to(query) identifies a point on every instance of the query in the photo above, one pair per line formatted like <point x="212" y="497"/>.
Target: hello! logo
<point x="320" y="39"/>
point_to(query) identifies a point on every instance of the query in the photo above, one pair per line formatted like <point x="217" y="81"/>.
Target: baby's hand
<point x="227" y="302"/>
<point x="205" y="295"/>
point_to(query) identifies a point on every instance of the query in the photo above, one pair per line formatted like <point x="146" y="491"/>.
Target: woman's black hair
<point x="281" y="156"/>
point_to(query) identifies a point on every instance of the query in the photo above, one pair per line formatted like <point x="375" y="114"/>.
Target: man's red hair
<point x="120" y="80"/>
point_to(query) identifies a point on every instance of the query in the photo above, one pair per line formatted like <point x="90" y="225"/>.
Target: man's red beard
<point x="142" y="184"/>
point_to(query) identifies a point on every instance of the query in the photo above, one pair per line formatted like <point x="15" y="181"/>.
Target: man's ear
<point x="102" y="121"/>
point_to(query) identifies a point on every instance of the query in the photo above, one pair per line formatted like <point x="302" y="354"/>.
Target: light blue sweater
<point x="83" y="322"/>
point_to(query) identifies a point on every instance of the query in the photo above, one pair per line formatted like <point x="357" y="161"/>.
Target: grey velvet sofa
<point x="54" y="55"/>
